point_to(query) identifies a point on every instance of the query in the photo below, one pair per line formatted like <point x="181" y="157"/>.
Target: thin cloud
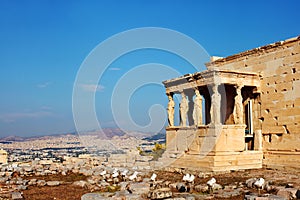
<point x="43" y="85"/>
<point x="12" y="117"/>
<point x="114" y="69"/>
<point x="92" y="87"/>
<point x="46" y="108"/>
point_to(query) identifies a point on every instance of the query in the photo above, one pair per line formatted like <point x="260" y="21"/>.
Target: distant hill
<point x="106" y="133"/>
<point x="12" y="138"/>
<point x="156" y="137"/>
<point x="109" y="133"/>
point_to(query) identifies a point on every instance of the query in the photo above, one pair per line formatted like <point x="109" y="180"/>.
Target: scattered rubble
<point x="118" y="182"/>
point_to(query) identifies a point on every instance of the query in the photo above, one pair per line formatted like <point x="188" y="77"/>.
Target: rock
<point x="93" y="188"/>
<point x="20" y="182"/>
<point x="110" y="180"/>
<point x="28" y="169"/>
<point x="250" y="182"/>
<point x="123" y="186"/>
<point x="116" y="180"/>
<point x="263" y="197"/>
<point x="53" y="183"/>
<point x="3" y="179"/>
<point x="139" y="188"/>
<point x="32" y="182"/>
<point x="230" y="187"/>
<point x="107" y="194"/>
<point x="173" y="186"/>
<point x="8" y="174"/>
<point x="288" y="193"/>
<point x="91" y="181"/>
<point x="16" y="196"/>
<point x="181" y="187"/>
<point x="161" y="193"/>
<point x="41" y="183"/>
<point x="92" y="196"/>
<point x="21" y="187"/>
<point x="127" y="197"/>
<point x="202" y="175"/>
<point x="86" y="172"/>
<point x="80" y="183"/>
<point x="269" y="188"/>
<point x="216" y="186"/>
<point x="166" y="183"/>
<point x="228" y="194"/>
<point x="139" y="179"/>
<point x="201" y="188"/>
<point x="103" y="184"/>
<point x="250" y="197"/>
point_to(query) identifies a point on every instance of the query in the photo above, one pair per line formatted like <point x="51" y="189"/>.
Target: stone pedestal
<point x="211" y="148"/>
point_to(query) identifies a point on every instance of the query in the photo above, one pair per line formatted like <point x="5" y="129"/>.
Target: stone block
<point x="284" y="87"/>
<point x="16" y="196"/>
<point x="92" y="196"/>
<point x="53" y="183"/>
<point x="260" y="67"/>
<point x="271" y="128"/>
<point x="292" y="59"/>
<point x="282" y="53"/>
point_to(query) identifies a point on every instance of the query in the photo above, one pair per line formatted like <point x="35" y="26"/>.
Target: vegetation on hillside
<point x="156" y="152"/>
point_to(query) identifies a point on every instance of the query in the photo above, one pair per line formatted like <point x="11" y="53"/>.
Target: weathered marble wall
<point x="277" y="113"/>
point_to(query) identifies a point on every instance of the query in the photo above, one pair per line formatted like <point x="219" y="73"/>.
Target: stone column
<point x="190" y="109"/>
<point x="258" y="140"/>
<point x="170" y="109"/>
<point x="197" y="113"/>
<point x="238" y="110"/>
<point x="215" y="117"/>
<point x="183" y="108"/>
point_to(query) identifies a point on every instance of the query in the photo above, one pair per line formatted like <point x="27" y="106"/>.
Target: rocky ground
<point x="167" y="185"/>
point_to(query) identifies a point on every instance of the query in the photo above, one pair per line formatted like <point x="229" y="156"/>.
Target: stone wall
<point x="205" y="148"/>
<point x="277" y="112"/>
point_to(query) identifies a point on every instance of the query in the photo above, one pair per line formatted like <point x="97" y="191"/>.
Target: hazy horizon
<point x="44" y="43"/>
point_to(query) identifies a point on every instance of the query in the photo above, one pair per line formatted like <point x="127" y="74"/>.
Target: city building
<point x="3" y="156"/>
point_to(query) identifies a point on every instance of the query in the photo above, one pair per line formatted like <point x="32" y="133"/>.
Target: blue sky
<point x="43" y="43"/>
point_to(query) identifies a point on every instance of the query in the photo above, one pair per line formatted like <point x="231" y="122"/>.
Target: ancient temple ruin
<point x="242" y="112"/>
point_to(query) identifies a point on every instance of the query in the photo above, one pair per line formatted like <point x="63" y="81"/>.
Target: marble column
<point x="170" y="109"/>
<point x="215" y="107"/>
<point x="183" y="108"/>
<point x="197" y="113"/>
<point x="238" y="111"/>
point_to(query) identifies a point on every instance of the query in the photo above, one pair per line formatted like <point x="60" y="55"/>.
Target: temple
<point x="242" y="112"/>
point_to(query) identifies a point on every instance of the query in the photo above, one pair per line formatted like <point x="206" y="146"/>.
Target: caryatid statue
<point x="184" y="107"/>
<point x="215" y="116"/>
<point x="170" y="109"/>
<point x="238" y="106"/>
<point x="197" y="112"/>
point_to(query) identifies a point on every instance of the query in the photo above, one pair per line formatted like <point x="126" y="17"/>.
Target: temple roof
<point x="212" y="76"/>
